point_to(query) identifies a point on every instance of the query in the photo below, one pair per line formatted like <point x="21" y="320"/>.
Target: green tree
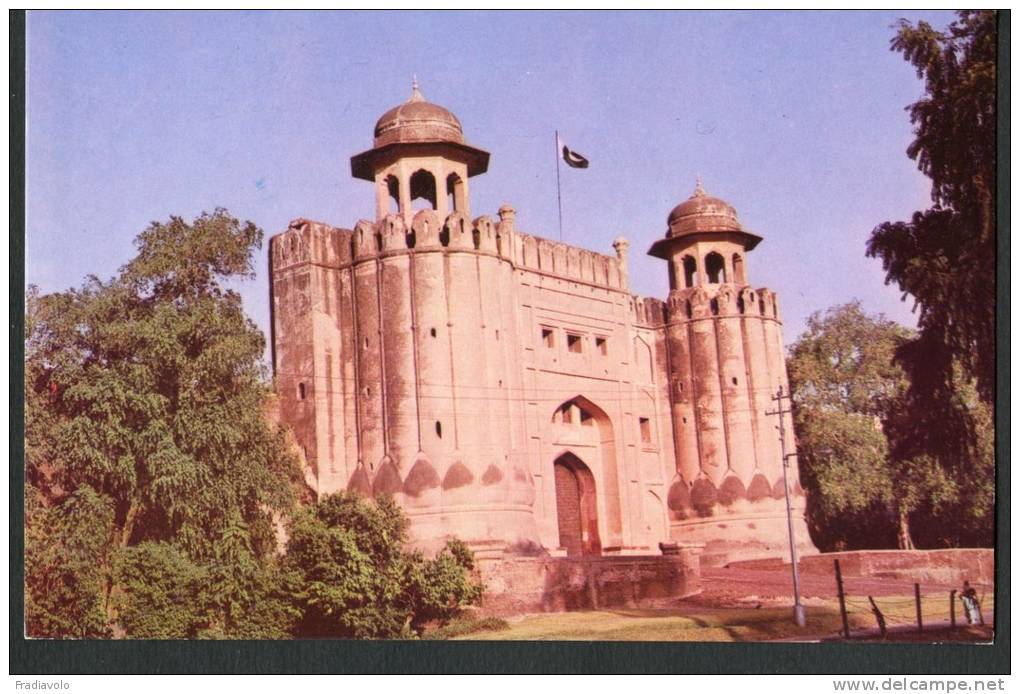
<point x="957" y="508"/>
<point x="852" y="407"/>
<point x="944" y="257"/>
<point x="437" y="589"/>
<point x="66" y="549"/>
<point x="845" y="384"/>
<point x="145" y="395"/>
<point x="355" y="579"/>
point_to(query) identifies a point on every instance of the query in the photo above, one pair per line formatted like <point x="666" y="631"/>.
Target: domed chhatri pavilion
<point x="510" y="390"/>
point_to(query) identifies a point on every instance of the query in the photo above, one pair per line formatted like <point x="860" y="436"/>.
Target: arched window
<point x="423" y="186"/>
<point x="738" y="269"/>
<point x="393" y="188"/>
<point x="455" y="193"/>
<point x="715" y="268"/>
<point x="690" y="271"/>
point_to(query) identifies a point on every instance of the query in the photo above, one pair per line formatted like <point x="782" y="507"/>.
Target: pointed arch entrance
<point x="584" y="430"/>
<point x="576" y="510"/>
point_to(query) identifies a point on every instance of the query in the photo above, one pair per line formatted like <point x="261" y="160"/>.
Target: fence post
<point x="952" y="608"/>
<point x="878" y="616"/>
<point x="842" y="600"/>
<point x="917" y="601"/>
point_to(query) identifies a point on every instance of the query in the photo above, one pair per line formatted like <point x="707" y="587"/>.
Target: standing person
<point x="970" y="603"/>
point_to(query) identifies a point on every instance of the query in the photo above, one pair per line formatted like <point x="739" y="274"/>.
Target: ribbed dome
<point x="702" y="212"/>
<point x="416" y="120"/>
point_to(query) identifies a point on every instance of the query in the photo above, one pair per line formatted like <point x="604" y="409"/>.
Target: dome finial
<point x="416" y="94"/>
<point x="699" y="190"/>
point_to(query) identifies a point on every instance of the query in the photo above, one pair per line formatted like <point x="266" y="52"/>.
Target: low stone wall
<point x="557" y="584"/>
<point x="948" y="567"/>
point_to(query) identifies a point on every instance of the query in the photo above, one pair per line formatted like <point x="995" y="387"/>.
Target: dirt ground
<point x="754" y="604"/>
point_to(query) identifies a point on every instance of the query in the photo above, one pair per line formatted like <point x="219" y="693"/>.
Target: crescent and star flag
<point x="573" y="159"/>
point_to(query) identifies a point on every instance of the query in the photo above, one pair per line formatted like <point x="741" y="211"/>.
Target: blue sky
<point x="796" y="119"/>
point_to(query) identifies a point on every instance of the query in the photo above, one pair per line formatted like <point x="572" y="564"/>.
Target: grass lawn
<point x="705" y="623"/>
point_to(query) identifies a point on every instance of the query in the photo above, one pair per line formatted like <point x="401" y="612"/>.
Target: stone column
<point x="708" y="398"/>
<point x="369" y="359"/>
<point x="398" y="369"/>
<point x="732" y="378"/>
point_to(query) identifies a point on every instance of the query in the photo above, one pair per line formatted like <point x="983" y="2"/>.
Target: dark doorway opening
<point x="575" y="507"/>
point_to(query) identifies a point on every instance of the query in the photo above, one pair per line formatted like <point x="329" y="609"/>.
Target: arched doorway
<point x="576" y="512"/>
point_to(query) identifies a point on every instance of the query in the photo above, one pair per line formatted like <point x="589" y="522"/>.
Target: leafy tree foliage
<point x="159" y="592"/>
<point x="959" y="454"/>
<point x="944" y="257"/>
<point x="436" y="589"/>
<point x="852" y="402"/>
<point x="66" y="549"/>
<point x="354" y="578"/>
<point x="153" y="478"/>
<point x="147" y="452"/>
<point x="845" y="384"/>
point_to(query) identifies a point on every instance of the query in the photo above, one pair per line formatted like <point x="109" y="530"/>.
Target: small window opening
<point x="646" y="429"/>
<point x="423" y="187"/>
<point x="574" y="343"/>
<point x="432" y="332"/>
<point x="690" y="271"/>
<point x="497" y="334"/>
<point x="393" y="188"/>
<point x="548" y="337"/>
<point x="687" y="309"/>
<point x="715" y="268"/>
<point x="715" y="307"/>
<point x="301" y="391"/>
<point x="439" y="429"/>
<point x="601" y="346"/>
<point x="685" y="419"/>
<point x="455" y="193"/>
<point x="734" y="380"/>
<point x="567" y="413"/>
<point x="366" y="343"/>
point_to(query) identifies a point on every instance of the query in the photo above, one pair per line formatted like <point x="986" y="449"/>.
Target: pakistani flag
<point x="573" y="159"/>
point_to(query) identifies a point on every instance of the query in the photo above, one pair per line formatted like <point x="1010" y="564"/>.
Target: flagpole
<point x="559" y="199"/>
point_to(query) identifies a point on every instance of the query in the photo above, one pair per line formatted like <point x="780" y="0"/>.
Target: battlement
<point x="647" y="311"/>
<point x="707" y="300"/>
<point x="307" y="241"/>
<point x="568" y="262"/>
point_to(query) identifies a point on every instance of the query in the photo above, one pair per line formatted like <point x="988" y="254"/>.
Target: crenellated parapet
<point x="314" y="242"/>
<point x="307" y="241"/>
<point x="708" y="300"/>
<point x="647" y="312"/>
<point x="427" y="230"/>
<point x="567" y="262"/>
